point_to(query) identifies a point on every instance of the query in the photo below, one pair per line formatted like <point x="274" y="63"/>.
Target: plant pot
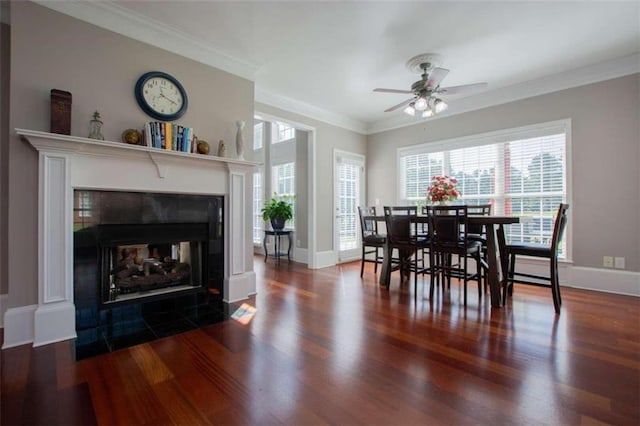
<point x="277" y="224"/>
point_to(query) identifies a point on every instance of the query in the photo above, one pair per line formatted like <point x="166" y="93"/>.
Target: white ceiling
<point x="324" y="58"/>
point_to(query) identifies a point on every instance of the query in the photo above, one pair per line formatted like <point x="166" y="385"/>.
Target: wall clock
<point x="161" y="96"/>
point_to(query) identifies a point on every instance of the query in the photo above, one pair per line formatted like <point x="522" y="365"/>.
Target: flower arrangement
<point x="442" y="189"/>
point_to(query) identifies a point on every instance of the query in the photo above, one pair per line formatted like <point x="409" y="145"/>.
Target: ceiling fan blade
<point x="465" y="88"/>
<point x="401" y="104"/>
<point x="435" y="77"/>
<point x="393" y="91"/>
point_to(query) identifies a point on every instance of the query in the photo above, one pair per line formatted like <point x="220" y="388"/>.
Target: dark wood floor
<point x="325" y="346"/>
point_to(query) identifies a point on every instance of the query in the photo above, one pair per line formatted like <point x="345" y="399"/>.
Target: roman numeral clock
<point x="161" y="96"/>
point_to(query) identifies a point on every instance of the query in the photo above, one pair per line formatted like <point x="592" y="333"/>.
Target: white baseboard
<point x="54" y="322"/>
<point x="4" y="299"/>
<point x="19" y="326"/>
<point x="606" y="280"/>
<point x="239" y="287"/>
<point x="324" y="259"/>
<point x="301" y="255"/>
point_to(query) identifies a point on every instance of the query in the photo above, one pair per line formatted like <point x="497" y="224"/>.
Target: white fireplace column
<point x="68" y="162"/>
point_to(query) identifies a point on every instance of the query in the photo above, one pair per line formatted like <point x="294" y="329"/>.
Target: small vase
<point x="221" y="149"/>
<point x="240" y="140"/>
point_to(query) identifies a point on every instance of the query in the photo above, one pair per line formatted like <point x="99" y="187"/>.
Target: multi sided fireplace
<point x="133" y="247"/>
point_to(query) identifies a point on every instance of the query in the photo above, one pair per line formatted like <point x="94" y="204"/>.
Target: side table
<point x="277" y="234"/>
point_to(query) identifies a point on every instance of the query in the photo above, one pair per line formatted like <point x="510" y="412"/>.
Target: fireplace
<point x="70" y="163"/>
<point x="136" y="247"/>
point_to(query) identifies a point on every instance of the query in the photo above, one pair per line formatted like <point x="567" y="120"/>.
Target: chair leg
<point x="479" y="272"/>
<point x="375" y="267"/>
<point x="555" y="288"/>
<point x="432" y="269"/>
<point x="558" y="281"/>
<point x="466" y="277"/>
<point x="509" y="279"/>
<point x="362" y="263"/>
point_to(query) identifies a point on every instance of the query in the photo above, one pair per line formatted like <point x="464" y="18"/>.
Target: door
<point x="349" y="194"/>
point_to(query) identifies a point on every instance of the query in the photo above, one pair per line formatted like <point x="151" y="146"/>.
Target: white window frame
<point x="282" y="132"/>
<point x="274" y="189"/>
<point x="505" y="135"/>
<point x="258" y="142"/>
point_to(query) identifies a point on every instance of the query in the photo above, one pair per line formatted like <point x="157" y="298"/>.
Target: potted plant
<point x="278" y="211"/>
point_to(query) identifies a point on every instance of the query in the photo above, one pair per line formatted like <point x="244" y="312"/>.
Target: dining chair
<point x="401" y="236"/>
<point x="448" y="236"/>
<point x="547" y="251"/>
<point x="478" y="232"/>
<point x="372" y="240"/>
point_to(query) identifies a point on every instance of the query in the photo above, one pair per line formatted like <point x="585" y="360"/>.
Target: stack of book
<point x="169" y="136"/>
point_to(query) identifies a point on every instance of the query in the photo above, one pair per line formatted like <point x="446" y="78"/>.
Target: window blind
<point x="521" y="173"/>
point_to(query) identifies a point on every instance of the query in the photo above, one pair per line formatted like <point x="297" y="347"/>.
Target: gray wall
<point x="605" y="150"/>
<point x="50" y="50"/>
<point x="328" y="137"/>
<point x="302" y="195"/>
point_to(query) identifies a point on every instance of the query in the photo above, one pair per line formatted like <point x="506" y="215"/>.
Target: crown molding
<point x="112" y="17"/>
<point x="565" y="80"/>
<point x="308" y="110"/>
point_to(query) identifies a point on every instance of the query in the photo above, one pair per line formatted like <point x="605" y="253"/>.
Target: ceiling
<point x="325" y="58"/>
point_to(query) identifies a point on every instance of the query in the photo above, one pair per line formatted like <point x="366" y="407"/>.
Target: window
<point x="283" y="185"/>
<point x="258" y="129"/>
<point x="348" y="200"/>
<point x="84" y="204"/>
<point x="284" y="132"/>
<point x="257" y="207"/>
<point x="520" y="172"/>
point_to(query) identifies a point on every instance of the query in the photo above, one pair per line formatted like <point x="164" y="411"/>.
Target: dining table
<point x="496" y="263"/>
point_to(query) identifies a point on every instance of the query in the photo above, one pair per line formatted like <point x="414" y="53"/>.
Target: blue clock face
<point x="161" y="96"/>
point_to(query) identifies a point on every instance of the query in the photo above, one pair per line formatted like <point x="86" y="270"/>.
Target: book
<point x="168" y="136"/>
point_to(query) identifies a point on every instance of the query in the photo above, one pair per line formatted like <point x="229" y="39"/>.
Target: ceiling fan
<point x="427" y="91"/>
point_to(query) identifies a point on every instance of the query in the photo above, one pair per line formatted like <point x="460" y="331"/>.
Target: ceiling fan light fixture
<point x="421" y="104"/>
<point x="427" y="113"/>
<point x="439" y="105"/>
<point x="410" y="110"/>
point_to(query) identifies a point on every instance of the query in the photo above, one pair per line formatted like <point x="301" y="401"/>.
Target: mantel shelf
<point x="75" y="144"/>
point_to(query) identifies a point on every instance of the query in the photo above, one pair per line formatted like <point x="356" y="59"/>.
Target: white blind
<point x="348" y="199"/>
<point x="519" y="176"/>
<point x="257" y="207"/>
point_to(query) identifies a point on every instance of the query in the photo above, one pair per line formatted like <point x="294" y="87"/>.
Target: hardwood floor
<point x="325" y="346"/>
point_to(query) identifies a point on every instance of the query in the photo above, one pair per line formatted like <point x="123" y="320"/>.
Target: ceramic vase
<point x="240" y="140"/>
<point x="222" y="150"/>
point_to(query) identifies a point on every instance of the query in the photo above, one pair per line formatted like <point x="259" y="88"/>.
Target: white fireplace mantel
<point x="67" y="163"/>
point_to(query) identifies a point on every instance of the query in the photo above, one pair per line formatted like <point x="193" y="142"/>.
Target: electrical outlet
<point x="618" y="263"/>
<point x="297" y="243"/>
<point x="607" y="261"/>
<point x="377" y="201"/>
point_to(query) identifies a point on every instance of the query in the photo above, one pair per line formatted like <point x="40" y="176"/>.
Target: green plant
<point x="277" y="208"/>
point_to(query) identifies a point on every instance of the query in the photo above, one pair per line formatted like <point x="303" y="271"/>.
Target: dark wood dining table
<point x="496" y="255"/>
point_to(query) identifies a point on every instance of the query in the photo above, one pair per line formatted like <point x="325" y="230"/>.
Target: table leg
<point x="276" y="244"/>
<point x="385" y="272"/>
<point x="493" y="272"/>
<point x="264" y="243"/>
<point x="289" y="250"/>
